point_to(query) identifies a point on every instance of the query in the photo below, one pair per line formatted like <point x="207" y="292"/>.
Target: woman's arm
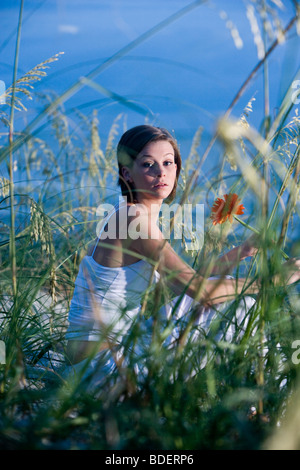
<point x="181" y="277"/>
<point x="226" y="263"/>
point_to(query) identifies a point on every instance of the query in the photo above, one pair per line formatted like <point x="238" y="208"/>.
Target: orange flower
<point x="224" y="209"/>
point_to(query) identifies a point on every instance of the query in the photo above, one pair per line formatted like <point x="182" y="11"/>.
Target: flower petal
<point x="224" y="209"/>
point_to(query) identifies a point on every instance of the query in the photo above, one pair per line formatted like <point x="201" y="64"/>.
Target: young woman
<point x="131" y="255"/>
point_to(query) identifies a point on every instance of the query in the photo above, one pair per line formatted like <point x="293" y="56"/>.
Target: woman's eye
<point x="150" y="164"/>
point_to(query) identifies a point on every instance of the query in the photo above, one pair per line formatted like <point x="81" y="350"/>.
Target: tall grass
<point x="209" y="393"/>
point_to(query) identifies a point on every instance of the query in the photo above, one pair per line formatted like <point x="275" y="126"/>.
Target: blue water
<point x="186" y="74"/>
<point x="182" y="77"/>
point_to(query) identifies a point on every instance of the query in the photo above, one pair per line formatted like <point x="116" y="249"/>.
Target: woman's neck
<point x="153" y="207"/>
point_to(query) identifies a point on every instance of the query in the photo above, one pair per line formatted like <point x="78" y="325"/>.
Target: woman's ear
<point x="126" y="174"/>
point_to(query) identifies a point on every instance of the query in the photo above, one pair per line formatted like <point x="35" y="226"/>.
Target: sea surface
<point x="183" y="75"/>
<point x="173" y="63"/>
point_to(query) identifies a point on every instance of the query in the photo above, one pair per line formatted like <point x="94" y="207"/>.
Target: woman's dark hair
<point x="132" y="143"/>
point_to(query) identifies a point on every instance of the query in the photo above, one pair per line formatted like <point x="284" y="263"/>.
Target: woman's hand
<point x="229" y="260"/>
<point x="291" y="271"/>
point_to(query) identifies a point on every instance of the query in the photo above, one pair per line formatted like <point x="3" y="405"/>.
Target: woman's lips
<point x="160" y="185"/>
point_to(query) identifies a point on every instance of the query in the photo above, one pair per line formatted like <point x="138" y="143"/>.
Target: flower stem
<point x="257" y="231"/>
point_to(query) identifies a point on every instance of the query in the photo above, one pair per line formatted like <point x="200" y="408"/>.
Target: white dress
<point x="107" y="301"/>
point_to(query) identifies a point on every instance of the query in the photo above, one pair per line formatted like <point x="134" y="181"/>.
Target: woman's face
<point x="153" y="172"/>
